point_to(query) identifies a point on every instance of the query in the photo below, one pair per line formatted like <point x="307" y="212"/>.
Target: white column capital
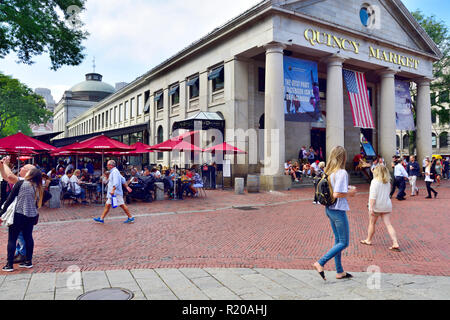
<point x="423" y="81"/>
<point x="275" y="47"/>
<point x="387" y="73"/>
<point x="335" y="60"/>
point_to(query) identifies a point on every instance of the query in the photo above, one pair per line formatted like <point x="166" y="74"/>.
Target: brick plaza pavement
<point x="285" y="231"/>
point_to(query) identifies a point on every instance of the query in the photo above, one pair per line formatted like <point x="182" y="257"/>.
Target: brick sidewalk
<point x="286" y="231"/>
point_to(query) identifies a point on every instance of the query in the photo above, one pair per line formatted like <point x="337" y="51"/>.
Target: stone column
<point x="335" y="104"/>
<point x="387" y="124"/>
<point x="423" y="112"/>
<point x="274" y="148"/>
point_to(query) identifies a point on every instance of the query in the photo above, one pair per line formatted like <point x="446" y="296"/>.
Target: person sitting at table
<point x="103" y="180"/>
<point x="168" y="182"/>
<point x="60" y="172"/>
<point x="52" y="174"/>
<point x="134" y="177"/>
<point x="186" y="184"/>
<point x="85" y="176"/>
<point x="65" y="180"/>
<point x="75" y="186"/>
<point x="198" y="183"/>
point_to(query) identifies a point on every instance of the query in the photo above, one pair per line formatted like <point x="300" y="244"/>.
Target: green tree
<point x="20" y="107"/>
<point x="33" y="27"/>
<point x="439" y="33"/>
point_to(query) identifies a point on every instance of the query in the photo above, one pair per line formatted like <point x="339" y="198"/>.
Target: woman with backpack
<point x="380" y="205"/>
<point x="30" y="195"/>
<point x="337" y="212"/>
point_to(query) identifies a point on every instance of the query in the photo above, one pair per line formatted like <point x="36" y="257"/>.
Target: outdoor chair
<point x="67" y="194"/>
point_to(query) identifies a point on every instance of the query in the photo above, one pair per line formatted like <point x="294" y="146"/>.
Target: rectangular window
<point x="126" y="111"/>
<point x="261" y="80"/>
<point x="120" y="113"/>
<point x="103" y="120"/>
<point x="111" y="116"/>
<point x="106" y="118"/>
<point x="132" y="108"/>
<point x="217" y="76"/>
<point x="193" y="85"/>
<point x="126" y="139"/>
<point x="147" y="102"/>
<point x="174" y="95"/>
<point x="159" y="100"/>
<point x="115" y="114"/>
<point x="139" y="104"/>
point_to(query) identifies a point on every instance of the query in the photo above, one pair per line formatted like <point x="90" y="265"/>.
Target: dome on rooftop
<point x="93" y="89"/>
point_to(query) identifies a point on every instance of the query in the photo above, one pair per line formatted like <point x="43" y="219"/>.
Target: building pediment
<point x="386" y="20"/>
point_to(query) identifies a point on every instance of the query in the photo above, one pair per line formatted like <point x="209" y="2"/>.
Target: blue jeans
<point x="339" y="224"/>
<point x="20" y="248"/>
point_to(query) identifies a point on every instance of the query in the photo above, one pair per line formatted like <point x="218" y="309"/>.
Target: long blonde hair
<point x="381" y="173"/>
<point x="337" y="160"/>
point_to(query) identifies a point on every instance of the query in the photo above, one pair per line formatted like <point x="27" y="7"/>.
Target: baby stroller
<point x="143" y="190"/>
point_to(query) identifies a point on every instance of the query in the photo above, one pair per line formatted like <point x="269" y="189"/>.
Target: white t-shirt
<point x="339" y="182"/>
<point x="428" y="176"/>
<point x="315" y="166"/>
<point x="65" y="180"/>
<point x="74" y="182"/>
<point x="380" y="192"/>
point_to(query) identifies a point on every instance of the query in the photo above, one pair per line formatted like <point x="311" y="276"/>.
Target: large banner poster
<point x="403" y="106"/>
<point x="302" y="96"/>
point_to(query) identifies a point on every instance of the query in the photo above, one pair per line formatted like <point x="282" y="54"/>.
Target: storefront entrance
<point x="319" y="141"/>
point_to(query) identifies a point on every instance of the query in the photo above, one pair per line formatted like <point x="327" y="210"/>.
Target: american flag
<point x="359" y="99"/>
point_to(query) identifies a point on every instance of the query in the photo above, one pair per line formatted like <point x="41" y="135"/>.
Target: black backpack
<point x="324" y="192"/>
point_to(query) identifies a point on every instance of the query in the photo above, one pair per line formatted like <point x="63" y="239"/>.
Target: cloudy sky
<point x="129" y="37"/>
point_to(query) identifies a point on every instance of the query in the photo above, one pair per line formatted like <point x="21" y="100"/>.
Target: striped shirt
<point x="26" y="200"/>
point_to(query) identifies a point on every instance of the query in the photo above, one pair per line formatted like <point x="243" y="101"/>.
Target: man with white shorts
<point x="414" y="173"/>
<point x="115" y="189"/>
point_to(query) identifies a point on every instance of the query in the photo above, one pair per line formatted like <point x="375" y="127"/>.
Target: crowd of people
<point x="310" y="164"/>
<point x="380" y="205"/>
<point x="26" y="190"/>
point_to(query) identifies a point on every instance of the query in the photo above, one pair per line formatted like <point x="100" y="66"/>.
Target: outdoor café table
<point x="91" y="189"/>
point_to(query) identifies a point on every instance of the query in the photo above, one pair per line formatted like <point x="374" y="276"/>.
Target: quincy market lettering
<point x="315" y="37"/>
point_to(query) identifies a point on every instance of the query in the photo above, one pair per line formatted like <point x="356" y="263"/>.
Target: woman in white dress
<point x="380" y="205"/>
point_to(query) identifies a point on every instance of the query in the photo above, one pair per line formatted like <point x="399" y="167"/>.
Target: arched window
<point x="160" y="139"/>
<point x="406" y="141"/>
<point x="433" y="140"/>
<point x="443" y="140"/>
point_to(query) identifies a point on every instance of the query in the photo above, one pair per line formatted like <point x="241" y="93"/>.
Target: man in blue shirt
<point x="413" y="170"/>
<point x="116" y="180"/>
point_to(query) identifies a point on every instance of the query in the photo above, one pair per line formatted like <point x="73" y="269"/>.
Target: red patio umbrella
<point x="140" y="148"/>
<point x="21" y="144"/>
<point x="101" y="144"/>
<point x="178" y="144"/>
<point x="225" y="148"/>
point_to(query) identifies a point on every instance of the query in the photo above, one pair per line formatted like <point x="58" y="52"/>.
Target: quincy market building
<point x="234" y="76"/>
